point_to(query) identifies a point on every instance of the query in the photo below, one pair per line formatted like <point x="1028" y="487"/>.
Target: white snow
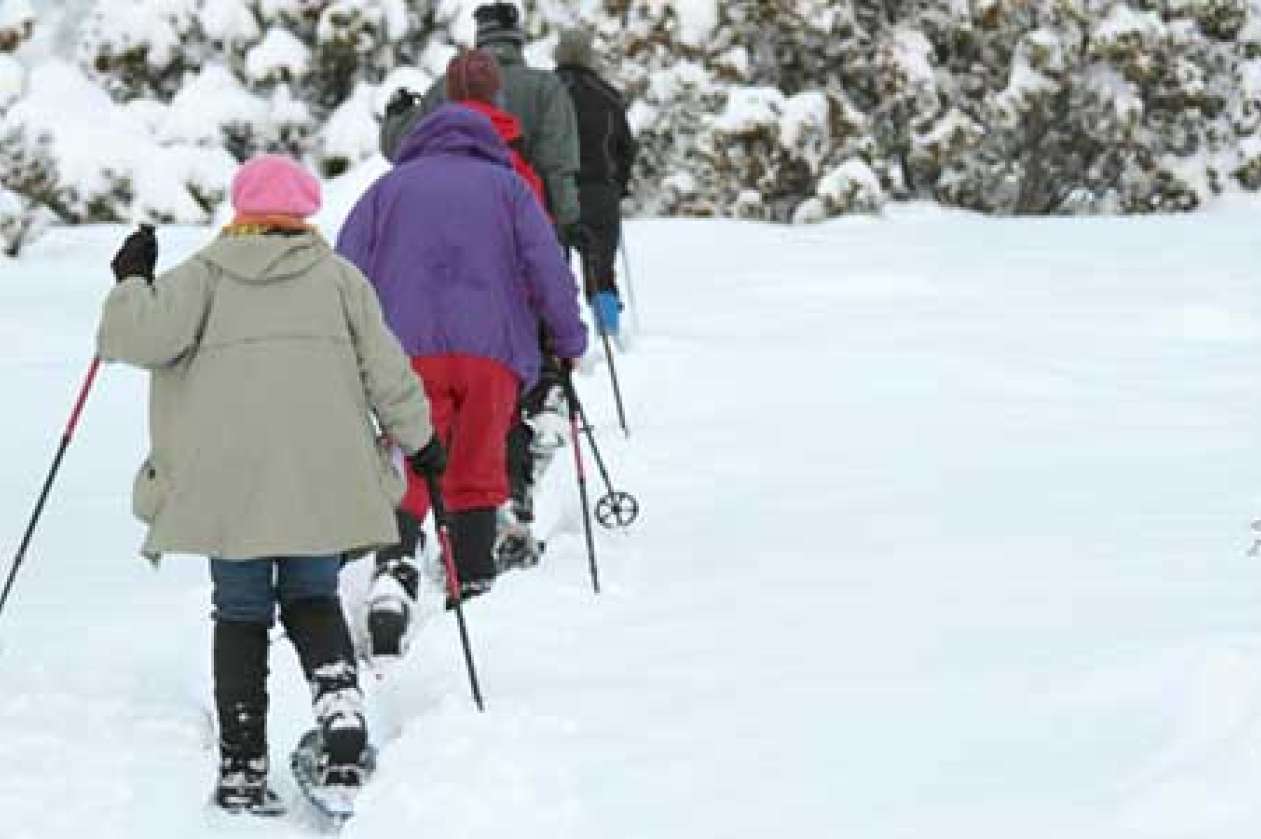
<point x="911" y="53"/>
<point x="953" y="128"/>
<point x="697" y="21"/>
<point x="943" y="535"/>
<point x="279" y="52"/>
<point x="117" y="26"/>
<point x="12" y="80"/>
<point x="229" y="22"/>
<point x="852" y="184"/>
<point x="351" y="131"/>
<point x="750" y="109"/>
<point x="803" y="125"/>
<point x="1125" y="23"/>
<point x="641" y="116"/>
<point x="663" y="85"/>
<point x="412" y="78"/>
<point x="683" y="183"/>
<point x="16" y="14"/>
<point x="101" y="147"/>
<point x="1114" y="88"/>
<point x="207" y="103"/>
<point x="1249" y="73"/>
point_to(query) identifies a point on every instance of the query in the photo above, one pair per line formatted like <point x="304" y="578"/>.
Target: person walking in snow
<point x="466" y="265"/>
<point x="608" y="154"/>
<point x="474" y="81"/>
<point x="549" y="139"/>
<point x="268" y="357"/>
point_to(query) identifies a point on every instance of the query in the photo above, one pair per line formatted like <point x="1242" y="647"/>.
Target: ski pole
<point x="66" y="436"/>
<point x="630" y="286"/>
<point x="608" y="347"/>
<point x="453" y="583"/>
<point x="615" y="508"/>
<point x="572" y="398"/>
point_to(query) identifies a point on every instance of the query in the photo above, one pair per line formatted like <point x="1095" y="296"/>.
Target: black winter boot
<point x="392" y="600"/>
<point x="473" y="542"/>
<point x="240" y="675"/>
<point x="318" y="630"/>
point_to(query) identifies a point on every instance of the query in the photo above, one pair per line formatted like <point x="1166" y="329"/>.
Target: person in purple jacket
<point x="466" y="266"/>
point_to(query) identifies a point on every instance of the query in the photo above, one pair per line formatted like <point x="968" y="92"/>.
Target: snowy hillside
<point x="943" y="535"/>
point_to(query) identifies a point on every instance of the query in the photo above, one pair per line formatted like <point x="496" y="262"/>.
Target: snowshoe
<point x="550" y="427"/>
<point x="243" y="788"/>
<point x="515" y="545"/>
<point x="329" y="786"/>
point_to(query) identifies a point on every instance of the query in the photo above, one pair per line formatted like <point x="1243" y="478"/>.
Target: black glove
<point x="401" y="102"/>
<point x="138" y="256"/>
<point x="575" y="235"/>
<point x="431" y="460"/>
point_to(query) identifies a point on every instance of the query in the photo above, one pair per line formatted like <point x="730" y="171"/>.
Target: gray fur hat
<point x="575" y="47"/>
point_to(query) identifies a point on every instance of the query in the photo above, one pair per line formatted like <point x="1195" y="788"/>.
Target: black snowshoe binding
<point x="243" y="787"/>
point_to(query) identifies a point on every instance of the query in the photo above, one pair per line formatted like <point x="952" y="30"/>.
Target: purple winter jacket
<point x="462" y="257"/>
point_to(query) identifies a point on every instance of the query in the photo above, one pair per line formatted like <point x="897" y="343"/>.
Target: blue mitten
<point x="608" y="311"/>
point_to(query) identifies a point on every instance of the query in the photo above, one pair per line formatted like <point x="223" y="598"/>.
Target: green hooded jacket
<point x="542" y="103"/>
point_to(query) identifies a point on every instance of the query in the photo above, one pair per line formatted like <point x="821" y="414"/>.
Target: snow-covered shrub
<point x="851" y="187"/>
<point x="140" y="47"/>
<point x="97" y="161"/>
<point x="351" y="133"/>
<point x="770" y="109"/>
<point x="29" y="187"/>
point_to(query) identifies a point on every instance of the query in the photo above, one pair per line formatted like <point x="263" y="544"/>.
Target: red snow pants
<point x="473" y="402"/>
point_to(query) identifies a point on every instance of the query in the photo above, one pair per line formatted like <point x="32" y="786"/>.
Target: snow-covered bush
<point x="787" y="110"/>
<point x="29" y="187"/>
<point x="93" y="160"/>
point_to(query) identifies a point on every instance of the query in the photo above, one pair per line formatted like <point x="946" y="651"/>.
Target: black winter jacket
<point x="607" y="147"/>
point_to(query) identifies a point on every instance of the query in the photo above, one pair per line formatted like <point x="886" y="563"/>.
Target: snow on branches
<point x="785" y="110"/>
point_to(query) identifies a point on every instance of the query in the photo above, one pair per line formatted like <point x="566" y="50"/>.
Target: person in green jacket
<point x="270" y="367"/>
<point x="536" y="97"/>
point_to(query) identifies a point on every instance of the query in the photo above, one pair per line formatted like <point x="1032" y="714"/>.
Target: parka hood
<point x="256" y="258"/>
<point x="454" y="129"/>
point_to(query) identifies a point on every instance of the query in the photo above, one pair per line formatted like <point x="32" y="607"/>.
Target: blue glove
<point x="608" y="312"/>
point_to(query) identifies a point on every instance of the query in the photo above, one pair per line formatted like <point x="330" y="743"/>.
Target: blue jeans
<point x="248" y="590"/>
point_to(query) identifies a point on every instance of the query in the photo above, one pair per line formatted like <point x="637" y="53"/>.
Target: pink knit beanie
<point x="275" y="185"/>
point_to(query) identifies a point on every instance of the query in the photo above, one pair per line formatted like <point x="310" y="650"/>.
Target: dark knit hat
<point x="574" y="47"/>
<point x="498" y="23"/>
<point x="473" y="75"/>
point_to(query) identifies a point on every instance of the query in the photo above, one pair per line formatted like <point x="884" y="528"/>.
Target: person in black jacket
<point x="608" y="153"/>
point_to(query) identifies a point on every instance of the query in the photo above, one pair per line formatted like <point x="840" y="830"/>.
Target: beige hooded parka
<point x="268" y="357"/>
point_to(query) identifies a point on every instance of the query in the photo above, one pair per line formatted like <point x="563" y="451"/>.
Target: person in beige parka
<point x="269" y="359"/>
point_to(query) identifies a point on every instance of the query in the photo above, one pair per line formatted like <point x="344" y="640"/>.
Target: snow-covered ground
<point x="943" y="535"/>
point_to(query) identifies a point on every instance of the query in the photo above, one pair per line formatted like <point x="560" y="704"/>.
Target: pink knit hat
<point x="275" y="185"/>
